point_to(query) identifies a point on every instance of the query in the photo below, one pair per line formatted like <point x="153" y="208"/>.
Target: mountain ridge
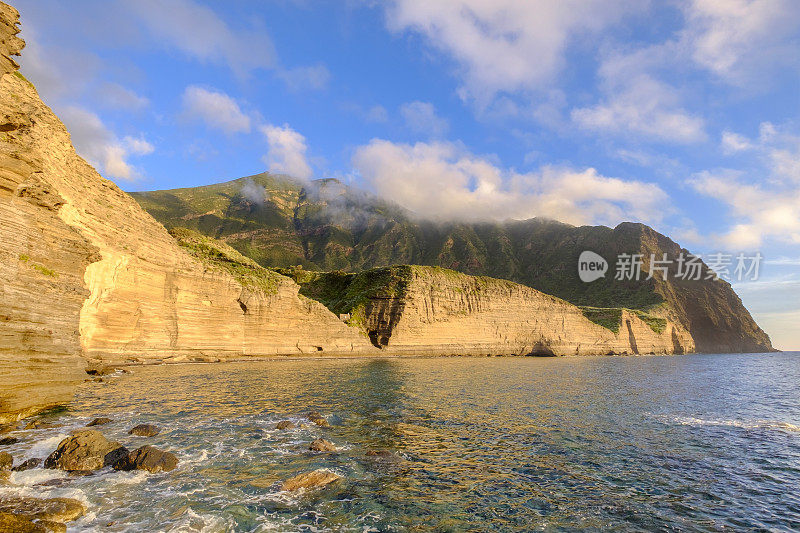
<point x="325" y="225"/>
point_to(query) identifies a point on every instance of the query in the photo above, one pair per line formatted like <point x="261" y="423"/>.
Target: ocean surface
<point x="683" y="443"/>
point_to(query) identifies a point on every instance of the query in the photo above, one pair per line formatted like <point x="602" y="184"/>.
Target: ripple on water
<point x="647" y="443"/>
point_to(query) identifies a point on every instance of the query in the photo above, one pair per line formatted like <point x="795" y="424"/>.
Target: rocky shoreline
<point x="88" y="452"/>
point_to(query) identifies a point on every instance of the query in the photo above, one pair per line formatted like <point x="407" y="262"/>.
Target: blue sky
<point x="681" y="114"/>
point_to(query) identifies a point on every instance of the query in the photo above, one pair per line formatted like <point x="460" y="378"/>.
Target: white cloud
<point x="421" y="117"/>
<point x="733" y="142"/>
<point x="313" y="77"/>
<point x="737" y="39"/>
<point x="770" y="209"/>
<point x="643" y="107"/>
<point x="200" y="33"/>
<point x="287" y="151"/>
<point x="216" y="109"/>
<point x="101" y="148"/>
<point x="504" y="45"/>
<point x="442" y="180"/>
<point x="138" y="145"/>
<point x="116" y="96"/>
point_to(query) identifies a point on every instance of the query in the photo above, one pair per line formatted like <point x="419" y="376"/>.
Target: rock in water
<point x="381" y="454"/>
<point x="285" y="424"/>
<point x="27" y="465"/>
<point x="147" y="458"/>
<point x="314" y="415"/>
<point x="322" y="445"/>
<point x="321" y="422"/>
<point x="5" y="441"/>
<point x="6" y="460"/>
<point x="98" y="422"/>
<point x="311" y="480"/>
<point x="85" y="451"/>
<point x="145" y="430"/>
<point x="54" y="509"/>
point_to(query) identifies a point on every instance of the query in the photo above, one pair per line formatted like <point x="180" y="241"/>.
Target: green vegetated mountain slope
<point x="326" y="225"/>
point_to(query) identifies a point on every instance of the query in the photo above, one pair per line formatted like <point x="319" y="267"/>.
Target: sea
<point x="703" y="442"/>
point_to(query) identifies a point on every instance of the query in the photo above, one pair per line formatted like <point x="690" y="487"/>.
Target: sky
<point x="681" y="114"/>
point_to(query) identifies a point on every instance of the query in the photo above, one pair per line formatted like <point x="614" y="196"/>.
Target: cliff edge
<point x="87" y="274"/>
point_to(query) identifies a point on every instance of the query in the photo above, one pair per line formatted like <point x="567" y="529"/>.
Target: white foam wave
<point x="753" y="424"/>
<point x="35" y="476"/>
<point x="43" y="448"/>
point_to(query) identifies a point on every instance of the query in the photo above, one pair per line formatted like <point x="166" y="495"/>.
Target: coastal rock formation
<point x="88" y="277"/>
<point x="431" y="310"/>
<point x="326" y="225"/>
<point x="87" y="273"/>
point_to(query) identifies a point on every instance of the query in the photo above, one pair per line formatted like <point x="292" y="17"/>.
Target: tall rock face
<point x="42" y="258"/>
<point x="434" y="311"/>
<point x="325" y="225"/>
<point x="87" y="273"/>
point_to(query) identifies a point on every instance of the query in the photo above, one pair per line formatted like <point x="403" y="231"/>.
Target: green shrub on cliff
<point x="349" y="293"/>
<point x="220" y="255"/>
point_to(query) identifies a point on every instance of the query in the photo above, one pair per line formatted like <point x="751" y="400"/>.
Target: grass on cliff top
<point x="344" y="292"/>
<point x="215" y="253"/>
<point x="611" y="318"/>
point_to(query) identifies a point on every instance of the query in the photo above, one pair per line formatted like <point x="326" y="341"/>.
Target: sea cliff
<point x="91" y="278"/>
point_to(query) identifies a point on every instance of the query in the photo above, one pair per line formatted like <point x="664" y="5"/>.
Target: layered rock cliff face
<point x="325" y="225"/>
<point x="87" y="274"/>
<point x="430" y="310"/>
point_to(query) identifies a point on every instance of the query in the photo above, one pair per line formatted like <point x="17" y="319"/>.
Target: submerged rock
<point x="147" y="458"/>
<point x="322" y="445"/>
<point x="27" y="465"/>
<point x="98" y="422"/>
<point x="380" y="454"/>
<point x="85" y="451"/>
<point x="310" y="480"/>
<point x="57" y="510"/>
<point x="285" y="424"/>
<point x="321" y="422"/>
<point x="145" y="430"/>
<point x="313" y="415"/>
<point x="39" y="424"/>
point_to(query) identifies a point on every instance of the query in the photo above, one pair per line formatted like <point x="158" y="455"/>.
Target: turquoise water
<point x="690" y="443"/>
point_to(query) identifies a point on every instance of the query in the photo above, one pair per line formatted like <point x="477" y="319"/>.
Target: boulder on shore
<point x="147" y="458"/>
<point x="145" y="430"/>
<point x="310" y="480"/>
<point x="85" y="451"/>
